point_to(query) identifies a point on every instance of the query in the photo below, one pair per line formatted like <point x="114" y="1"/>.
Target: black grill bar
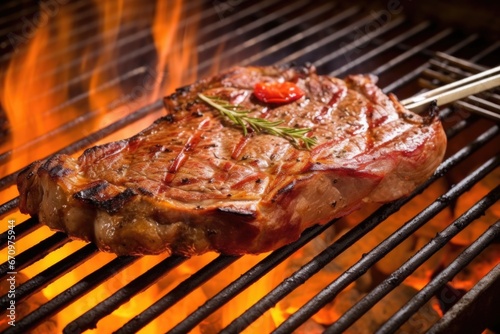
<point x="494" y="46"/>
<point x="481" y="299"/>
<point x="20" y="230"/>
<point x="408" y="53"/>
<point x="360" y="267"/>
<point x="179" y="292"/>
<point x="406" y="269"/>
<point x="478" y="110"/>
<point x="306" y="16"/>
<point x="345" y="14"/>
<point x="418" y="71"/>
<point x="15" y="23"/>
<point x="133" y="36"/>
<point x="257" y="7"/>
<point x="272" y="16"/>
<point x="89" y="319"/>
<point x="329" y="39"/>
<point x="446" y="275"/>
<point x="9" y="205"/>
<point x="414" y="30"/>
<point x="85" y="20"/>
<point x="37" y="252"/>
<point x="458" y="62"/>
<point x="351" y="46"/>
<point x="76" y="291"/>
<point x="50" y="274"/>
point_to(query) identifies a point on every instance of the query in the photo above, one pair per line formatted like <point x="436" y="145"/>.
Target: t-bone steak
<point x="192" y="182"/>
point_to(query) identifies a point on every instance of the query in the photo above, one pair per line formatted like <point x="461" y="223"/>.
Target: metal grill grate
<point x="406" y="54"/>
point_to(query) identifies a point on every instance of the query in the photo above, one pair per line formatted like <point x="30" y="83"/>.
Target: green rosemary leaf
<point x="239" y="116"/>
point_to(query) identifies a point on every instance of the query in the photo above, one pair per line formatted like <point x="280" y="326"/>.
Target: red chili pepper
<point x="277" y="92"/>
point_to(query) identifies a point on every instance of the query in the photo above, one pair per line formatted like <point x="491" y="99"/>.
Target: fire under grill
<point x="427" y="262"/>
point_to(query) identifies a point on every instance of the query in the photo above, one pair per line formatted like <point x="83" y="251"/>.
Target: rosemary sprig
<point x="239" y="116"/>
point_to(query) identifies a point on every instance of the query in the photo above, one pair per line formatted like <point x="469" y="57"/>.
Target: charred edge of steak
<point x="29" y="185"/>
<point x="408" y="116"/>
<point x="432" y="113"/>
<point x="54" y="169"/>
<point x="30" y="192"/>
<point x="96" y="195"/>
<point x="240" y="213"/>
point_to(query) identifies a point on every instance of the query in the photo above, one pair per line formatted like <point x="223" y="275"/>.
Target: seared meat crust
<point x="192" y="182"/>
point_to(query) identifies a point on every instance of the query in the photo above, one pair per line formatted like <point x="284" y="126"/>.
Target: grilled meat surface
<point x="192" y="182"/>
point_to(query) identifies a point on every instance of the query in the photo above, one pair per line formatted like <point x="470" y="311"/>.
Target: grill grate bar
<point x="20" y="230"/>
<point x="36" y="253"/>
<point x="344" y="242"/>
<point x="406" y="269"/>
<point x="129" y="38"/>
<point x="85" y="16"/>
<point x="387" y="45"/>
<point x="255" y="8"/>
<point x="485" y="52"/>
<point x="92" y="24"/>
<point x="416" y="72"/>
<point x="89" y="319"/>
<point x="248" y="278"/>
<point x="30" y="11"/>
<point x="48" y="275"/>
<point x="272" y="16"/>
<point x="176" y="294"/>
<point x="412" y="51"/>
<point x="360" y="267"/>
<point x="460" y="126"/>
<point x="7" y="207"/>
<point x="461" y="63"/>
<point x="20" y="9"/>
<point x="484" y="103"/>
<point x="79" y="289"/>
<point x="445" y="67"/>
<point x="300" y="36"/>
<point x="493" y="115"/>
<point x="446" y="275"/>
<point x="483" y="297"/>
<point x="278" y="29"/>
<point x="329" y="39"/>
<point x="95" y="70"/>
<point x="356" y="43"/>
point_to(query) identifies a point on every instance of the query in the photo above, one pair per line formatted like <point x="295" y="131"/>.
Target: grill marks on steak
<point x="192" y="182"/>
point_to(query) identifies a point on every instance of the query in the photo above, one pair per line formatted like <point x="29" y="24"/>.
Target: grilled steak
<point x="193" y="182"/>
